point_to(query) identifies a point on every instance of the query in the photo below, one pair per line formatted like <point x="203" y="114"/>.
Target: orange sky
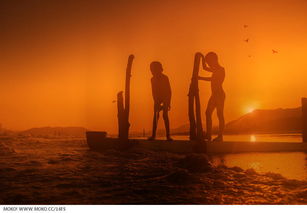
<point x="62" y="62"/>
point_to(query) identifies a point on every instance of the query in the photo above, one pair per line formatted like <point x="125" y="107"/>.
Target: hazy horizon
<point x="63" y="62"/>
<point x="160" y="129"/>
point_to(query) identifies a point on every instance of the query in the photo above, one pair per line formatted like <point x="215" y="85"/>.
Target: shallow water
<point x="265" y="137"/>
<point x="291" y="165"/>
<point x="65" y="171"/>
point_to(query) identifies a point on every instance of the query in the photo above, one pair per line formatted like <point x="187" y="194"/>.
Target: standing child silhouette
<point x="161" y="92"/>
<point x="217" y="98"/>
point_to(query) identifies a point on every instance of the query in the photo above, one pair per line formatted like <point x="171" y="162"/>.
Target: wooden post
<point x="192" y="115"/>
<point x="304" y="116"/>
<point x="123" y="110"/>
<point x="127" y="96"/>
<point x="196" y="130"/>
<point x="120" y="114"/>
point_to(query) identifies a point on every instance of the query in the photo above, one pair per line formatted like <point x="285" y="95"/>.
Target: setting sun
<point x="249" y="109"/>
<point x="253" y="138"/>
<point x="251" y="106"/>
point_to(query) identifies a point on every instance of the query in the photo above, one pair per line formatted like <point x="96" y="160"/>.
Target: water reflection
<point x="293" y="137"/>
<point x="290" y="164"/>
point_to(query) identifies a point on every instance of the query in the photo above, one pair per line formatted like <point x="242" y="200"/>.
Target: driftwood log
<point x="304" y="116"/>
<point x="123" y="110"/>
<point x="196" y="130"/>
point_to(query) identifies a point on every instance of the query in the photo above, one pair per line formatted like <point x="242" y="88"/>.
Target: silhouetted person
<point x="217" y="98"/>
<point x="161" y="92"/>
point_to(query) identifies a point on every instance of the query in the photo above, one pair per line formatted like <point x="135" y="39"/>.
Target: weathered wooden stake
<point x="123" y="110"/>
<point x="127" y="96"/>
<point x="196" y="130"/>
<point x="120" y="114"/>
<point x="192" y="117"/>
<point x="304" y="116"/>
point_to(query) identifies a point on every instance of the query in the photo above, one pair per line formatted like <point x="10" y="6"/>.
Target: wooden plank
<point x="304" y="118"/>
<point x="222" y="147"/>
<point x="183" y="146"/>
<point x="175" y="147"/>
<point x="95" y="136"/>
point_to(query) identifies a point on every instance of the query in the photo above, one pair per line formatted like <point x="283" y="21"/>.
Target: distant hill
<point x="260" y="121"/>
<point x="268" y="121"/>
<point x="55" y="132"/>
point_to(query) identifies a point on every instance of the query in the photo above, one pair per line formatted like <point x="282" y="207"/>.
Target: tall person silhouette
<point x="161" y="92"/>
<point x="217" y="98"/>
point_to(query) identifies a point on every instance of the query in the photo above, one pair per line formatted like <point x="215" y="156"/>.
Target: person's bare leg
<point x="220" y="116"/>
<point x="209" y="111"/>
<point x="154" y="125"/>
<point x="166" y="124"/>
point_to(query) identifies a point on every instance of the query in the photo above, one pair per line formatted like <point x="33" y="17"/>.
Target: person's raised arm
<point x="205" y="67"/>
<point x="204" y="78"/>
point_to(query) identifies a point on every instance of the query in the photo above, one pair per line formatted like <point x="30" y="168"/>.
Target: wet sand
<point x="65" y="171"/>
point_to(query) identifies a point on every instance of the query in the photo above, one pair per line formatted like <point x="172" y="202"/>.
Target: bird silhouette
<point x="113" y="101"/>
<point x="246" y="40"/>
<point x="245" y="25"/>
<point x="274" y="51"/>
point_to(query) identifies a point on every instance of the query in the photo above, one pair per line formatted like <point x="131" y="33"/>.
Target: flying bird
<point x="246" y="40"/>
<point x="274" y="51"/>
<point x="245" y="25"/>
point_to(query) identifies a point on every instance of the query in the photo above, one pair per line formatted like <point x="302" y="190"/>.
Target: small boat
<point x="98" y="141"/>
